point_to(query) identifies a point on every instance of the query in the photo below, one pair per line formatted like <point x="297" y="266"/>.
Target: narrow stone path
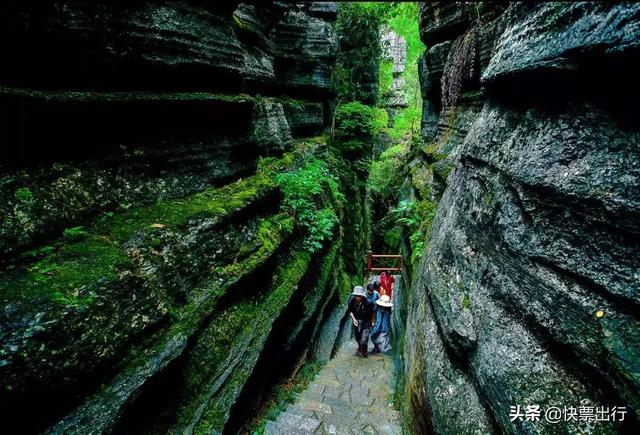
<point x="351" y="395"/>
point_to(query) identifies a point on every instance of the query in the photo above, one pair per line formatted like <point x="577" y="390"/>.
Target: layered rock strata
<point x="149" y="269"/>
<point x="394" y="50"/>
<point x="525" y="294"/>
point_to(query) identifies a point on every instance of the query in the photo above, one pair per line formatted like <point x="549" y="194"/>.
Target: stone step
<point x="349" y="396"/>
<point x="301" y="410"/>
<point x="297" y="423"/>
<point x="273" y="428"/>
<point x="310" y="405"/>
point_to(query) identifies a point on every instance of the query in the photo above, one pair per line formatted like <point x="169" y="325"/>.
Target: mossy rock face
<point x="139" y="203"/>
<point x="75" y="307"/>
<point x="304" y="117"/>
<point x="136" y="294"/>
<point x="270" y="129"/>
<point x="147" y="147"/>
<point x="210" y="381"/>
<point x="62" y="342"/>
<point x="154" y="361"/>
<point x="251" y="322"/>
<point x="354" y="216"/>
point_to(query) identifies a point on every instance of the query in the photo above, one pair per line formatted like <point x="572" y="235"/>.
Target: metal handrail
<point x="370" y="267"/>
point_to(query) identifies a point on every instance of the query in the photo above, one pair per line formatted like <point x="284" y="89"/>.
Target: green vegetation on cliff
<point x="86" y="255"/>
<point x="355" y="120"/>
<point x="356" y="70"/>
<point x="402" y="18"/>
<point x="301" y="189"/>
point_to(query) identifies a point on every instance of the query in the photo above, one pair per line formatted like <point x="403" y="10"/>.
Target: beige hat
<point x="384" y="301"/>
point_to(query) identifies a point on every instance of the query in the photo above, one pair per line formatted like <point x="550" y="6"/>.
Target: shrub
<point x="386" y="174"/>
<point x="355" y="120"/>
<point x="23" y="194"/>
<point x="418" y="217"/>
<point x="301" y="189"/>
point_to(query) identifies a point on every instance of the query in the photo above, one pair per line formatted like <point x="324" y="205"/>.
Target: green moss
<point x="487" y="198"/>
<point x="312" y="298"/>
<point x="23" y="194"/>
<point x="232" y="318"/>
<point x="242" y="24"/>
<point x="211" y="203"/>
<point x="431" y="154"/>
<point x="87" y="254"/>
<point x="286" y="392"/>
<point x="270" y="235"/>
<point x="65" y="269"/>
<point x="346" y="288"/>
<point x="115" y="97"/>
<point x="250" y="322"/>
<point x="466" y="302"/>
<point x="441" y="170"/>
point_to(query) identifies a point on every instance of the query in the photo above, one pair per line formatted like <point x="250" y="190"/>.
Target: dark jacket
<point x="363" y="311"/>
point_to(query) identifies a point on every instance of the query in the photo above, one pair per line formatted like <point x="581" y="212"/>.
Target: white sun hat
<point x="384" y="301"/>
<point x="358" y="291"/>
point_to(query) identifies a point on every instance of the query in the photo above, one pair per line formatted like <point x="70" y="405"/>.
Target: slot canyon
<point x="190" y="190"/>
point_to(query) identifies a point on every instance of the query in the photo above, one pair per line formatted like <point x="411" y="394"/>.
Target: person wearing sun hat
<point x="382" y="328"/>
<point x="362" y="317"/>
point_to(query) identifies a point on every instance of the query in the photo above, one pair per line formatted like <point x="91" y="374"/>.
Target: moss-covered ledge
<point x="99" y="290"/>
<point x="103" y="409"/>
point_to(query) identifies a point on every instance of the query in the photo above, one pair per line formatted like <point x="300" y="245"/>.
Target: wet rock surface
<point x="553" y="38"/>
<point x="525" y="292"/>
<point x="148" y="269"/>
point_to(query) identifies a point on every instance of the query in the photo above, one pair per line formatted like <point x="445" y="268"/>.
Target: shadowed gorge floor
<point x="351" y="395"/>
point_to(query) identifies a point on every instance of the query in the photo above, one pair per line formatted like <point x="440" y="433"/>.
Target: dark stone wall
<point x="526" y="289"/>
<point x="124" y="103"/>
<point x="147" y="271"/>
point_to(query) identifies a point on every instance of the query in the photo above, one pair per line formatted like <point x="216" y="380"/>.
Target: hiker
<point x="386" y="284"/>
<point x="381" y="330"/>
<point x="372" y="295"/>
<point x="363" y="318"/>
<point x="376" y="287"/>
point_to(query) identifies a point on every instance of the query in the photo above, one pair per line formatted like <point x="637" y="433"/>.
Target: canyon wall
<point x="527" y="291"/>
<point x="155" y="273"/>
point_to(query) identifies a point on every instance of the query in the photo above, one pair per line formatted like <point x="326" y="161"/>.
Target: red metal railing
<point x="382" y="263"/>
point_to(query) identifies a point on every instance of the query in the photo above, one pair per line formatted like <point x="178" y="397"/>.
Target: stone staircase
<point x="350" y="395"/>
